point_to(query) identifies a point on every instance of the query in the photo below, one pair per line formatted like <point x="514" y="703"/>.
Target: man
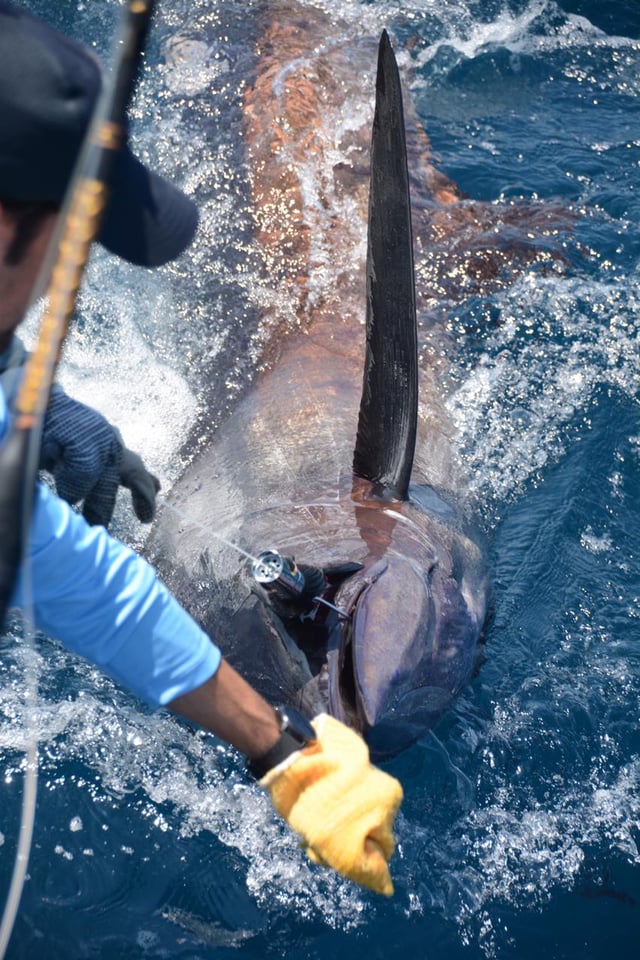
<point x="81" y="449"/>
<point x="95" y="595"/>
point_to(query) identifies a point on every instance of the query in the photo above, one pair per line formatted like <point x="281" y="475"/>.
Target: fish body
<point x="300" y="465"/>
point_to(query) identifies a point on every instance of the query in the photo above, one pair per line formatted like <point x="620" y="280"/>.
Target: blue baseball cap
<point x="49" y="85"/>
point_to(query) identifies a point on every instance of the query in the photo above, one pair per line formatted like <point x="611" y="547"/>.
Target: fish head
<point x="403" y="650"/>
<point x="394" y="638"/>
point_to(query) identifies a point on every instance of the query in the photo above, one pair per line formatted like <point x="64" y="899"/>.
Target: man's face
<point x="17" y="282"/>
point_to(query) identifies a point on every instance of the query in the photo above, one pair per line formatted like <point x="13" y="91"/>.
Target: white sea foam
<point x="557" y="341"/>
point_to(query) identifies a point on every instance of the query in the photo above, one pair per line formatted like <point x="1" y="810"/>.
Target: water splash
<point x="555" y="343"/>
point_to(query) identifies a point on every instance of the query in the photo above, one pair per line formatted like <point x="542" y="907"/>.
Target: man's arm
<point x="340" y="805"/>
<point x="105" y="602"/>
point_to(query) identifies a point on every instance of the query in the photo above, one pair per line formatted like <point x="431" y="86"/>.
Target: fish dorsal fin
<point x="387" y="422"/>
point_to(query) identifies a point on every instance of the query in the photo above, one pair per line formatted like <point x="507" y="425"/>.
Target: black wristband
<point x="295" y="733"/>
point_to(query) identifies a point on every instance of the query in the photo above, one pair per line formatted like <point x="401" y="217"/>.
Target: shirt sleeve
<point x="103" y="601"/>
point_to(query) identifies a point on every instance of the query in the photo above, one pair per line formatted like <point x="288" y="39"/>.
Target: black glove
<point x="89" y="461"/>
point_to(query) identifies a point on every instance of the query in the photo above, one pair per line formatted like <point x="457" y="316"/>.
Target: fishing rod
<point x="65" y="261"/>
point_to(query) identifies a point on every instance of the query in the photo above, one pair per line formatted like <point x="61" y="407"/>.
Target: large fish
<point x="340" y="456"/>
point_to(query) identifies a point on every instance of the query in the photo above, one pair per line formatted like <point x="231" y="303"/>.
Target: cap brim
<point x="148" y="221"/>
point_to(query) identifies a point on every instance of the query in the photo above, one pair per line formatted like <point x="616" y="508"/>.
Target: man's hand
<point x="342" y="807"/>
<point x="83" y="452"/>
<point x="89" y="461"/>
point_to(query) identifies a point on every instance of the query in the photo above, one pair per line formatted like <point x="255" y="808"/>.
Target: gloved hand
<point x="342" y="807"/>
<point x="89" y="461"/>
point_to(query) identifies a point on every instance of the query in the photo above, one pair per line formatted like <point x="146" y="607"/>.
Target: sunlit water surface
<point x="520" y="830"/>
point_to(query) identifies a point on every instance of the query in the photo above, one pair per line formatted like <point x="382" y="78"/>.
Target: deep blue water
<point x="520" y="831"/>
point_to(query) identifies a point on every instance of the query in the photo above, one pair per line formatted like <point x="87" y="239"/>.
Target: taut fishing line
<point x="32" y="680"/>
<point x="208" y="530"/>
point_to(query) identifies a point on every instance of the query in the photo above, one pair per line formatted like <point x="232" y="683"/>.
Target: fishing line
<point x="32" y="683"/>
<point x="263" y="568"/>
<point x="207" y="530"/>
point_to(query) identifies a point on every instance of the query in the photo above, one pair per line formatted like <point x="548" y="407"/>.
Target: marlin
<point x="366" y="590"/>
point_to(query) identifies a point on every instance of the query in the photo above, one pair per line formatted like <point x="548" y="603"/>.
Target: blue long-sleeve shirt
<point x="103" y="601"/>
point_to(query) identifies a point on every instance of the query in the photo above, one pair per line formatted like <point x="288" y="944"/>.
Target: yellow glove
<point x="342" y="807"/>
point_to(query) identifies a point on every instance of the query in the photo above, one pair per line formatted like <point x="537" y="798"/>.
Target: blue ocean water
<point x="520" y="831"/>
